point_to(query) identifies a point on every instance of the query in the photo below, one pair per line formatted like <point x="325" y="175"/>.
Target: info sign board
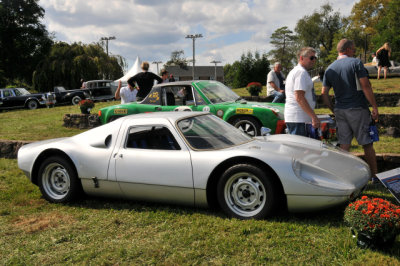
<point x="391" y="180"/>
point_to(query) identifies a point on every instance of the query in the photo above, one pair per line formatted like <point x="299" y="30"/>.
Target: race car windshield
<point x="217" y="92"/>
<point x="207" y="132"/>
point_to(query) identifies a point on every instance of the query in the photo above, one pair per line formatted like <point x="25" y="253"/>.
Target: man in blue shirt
<point x="353" y="92"/>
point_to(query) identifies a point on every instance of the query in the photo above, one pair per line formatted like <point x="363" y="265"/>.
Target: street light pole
<point x="193" y="37"/>
<point x="157" y="62"/>
<point x="107" y="39"/>
<point x="215" y="62"/>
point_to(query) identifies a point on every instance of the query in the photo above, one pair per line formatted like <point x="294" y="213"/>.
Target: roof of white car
<point x="166" y="115"/>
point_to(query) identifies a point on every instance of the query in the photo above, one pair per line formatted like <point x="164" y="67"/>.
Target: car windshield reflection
<point x="217" y="92"/>
<point x="210" y="132"/>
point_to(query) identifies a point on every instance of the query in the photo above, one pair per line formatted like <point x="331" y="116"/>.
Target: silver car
<point x="196" y="159"/>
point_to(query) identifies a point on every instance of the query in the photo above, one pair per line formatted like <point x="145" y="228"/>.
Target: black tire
<point x="58" y="180"/>
<point x="246" y="192"/>
<point x="75" y="100"/>
<point x="248" y="125"/>
<point x="32" y="105"/>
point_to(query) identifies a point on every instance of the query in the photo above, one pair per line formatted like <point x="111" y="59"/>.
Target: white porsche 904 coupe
<point x="196" y="159"/>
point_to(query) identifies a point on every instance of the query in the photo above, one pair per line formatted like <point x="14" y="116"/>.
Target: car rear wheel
<point x="248" y="125"/>
<point x="32" y="104"/>
<point x="245" y="192"/>
<point x="58" y="180"/>
<point x="75" y="100"/>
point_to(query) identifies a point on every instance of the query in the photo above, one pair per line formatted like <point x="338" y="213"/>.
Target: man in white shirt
<point x="300" y="95"/>
<point x="127" y="94"/>
<point x="275" y="86"/>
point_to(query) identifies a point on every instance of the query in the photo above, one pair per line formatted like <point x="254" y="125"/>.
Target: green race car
<point x="204" y="95"/>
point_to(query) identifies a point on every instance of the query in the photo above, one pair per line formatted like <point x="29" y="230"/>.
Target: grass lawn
<point x="109" y="232"/>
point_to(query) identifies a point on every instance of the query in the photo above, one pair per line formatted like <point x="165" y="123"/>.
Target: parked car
<point x="204" y="95"/>
<point x="393" y="70"/>
<point x="100" y="90"/>
<point x="11" y="98"/>
<point x="196" y="159"/>
<point x="64" y="96"/>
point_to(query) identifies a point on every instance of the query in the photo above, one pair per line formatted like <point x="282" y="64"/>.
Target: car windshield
<point x="210" y="132"/>
<point x="21" y="91"/>
<point x="217" y="92"/>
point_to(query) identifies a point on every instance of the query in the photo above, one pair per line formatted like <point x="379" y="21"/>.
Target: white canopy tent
<point x="133" y="71"/>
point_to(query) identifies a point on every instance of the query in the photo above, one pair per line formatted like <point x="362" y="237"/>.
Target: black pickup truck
<point x="64" y="96"/>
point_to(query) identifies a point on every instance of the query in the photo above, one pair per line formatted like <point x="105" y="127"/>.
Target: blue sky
<point x="152" y="29"/>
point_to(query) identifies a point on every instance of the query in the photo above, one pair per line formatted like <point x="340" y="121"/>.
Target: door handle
<point x="158" y="108"/>
<point x="121" y="156"/>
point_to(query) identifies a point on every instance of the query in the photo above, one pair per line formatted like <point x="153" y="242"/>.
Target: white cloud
<point x="152" y="29"/>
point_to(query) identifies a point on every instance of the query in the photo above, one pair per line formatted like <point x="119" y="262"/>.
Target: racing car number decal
<point x="120" y="111"/>
<point x="244" y="111"/>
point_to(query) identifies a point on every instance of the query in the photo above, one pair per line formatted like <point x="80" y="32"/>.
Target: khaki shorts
<point x="353" y="122"/>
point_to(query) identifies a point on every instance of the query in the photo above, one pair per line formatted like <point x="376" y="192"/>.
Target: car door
<point x="154" y="164"/>
<point x="9" y="99"/>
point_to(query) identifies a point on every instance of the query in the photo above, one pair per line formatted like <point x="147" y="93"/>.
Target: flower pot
<point x="374" y="242"/>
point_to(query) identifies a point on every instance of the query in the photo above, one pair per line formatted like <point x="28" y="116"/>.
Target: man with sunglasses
<point x="353" y="92"/>
<point x="300" y="95"/>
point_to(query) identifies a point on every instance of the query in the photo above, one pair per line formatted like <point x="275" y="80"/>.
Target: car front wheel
<point x="75" y="100"/>
<point x="32" y="104"/>
<point x="246" y="192"/>
<point x="248" y="125"/>
<point x="58" y="181"/>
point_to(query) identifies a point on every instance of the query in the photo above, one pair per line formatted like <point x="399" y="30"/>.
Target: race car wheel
<point x="248" y="125"/>
<point x="245" y="192"/>
<point x="58" y="180"/>
<point x="32" y="104"/>
<point x="75" y="100"/>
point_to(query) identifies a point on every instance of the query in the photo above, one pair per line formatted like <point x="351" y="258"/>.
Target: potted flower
<point x="254" y="88"/>
<point x="374" y="221"/>
<point x="86" y="106"/>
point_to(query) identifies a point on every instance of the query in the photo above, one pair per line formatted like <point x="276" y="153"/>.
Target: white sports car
<point x="197" y="159"/>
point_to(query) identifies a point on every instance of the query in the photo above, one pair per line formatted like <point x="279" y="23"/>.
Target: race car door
<point x="154" y="165"/>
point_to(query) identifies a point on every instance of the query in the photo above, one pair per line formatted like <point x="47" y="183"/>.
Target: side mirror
<point x="265" y="131"/>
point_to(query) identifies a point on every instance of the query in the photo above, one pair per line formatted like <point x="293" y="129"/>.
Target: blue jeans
<point x="279" y="97"/>
<point x="297" y="129"/>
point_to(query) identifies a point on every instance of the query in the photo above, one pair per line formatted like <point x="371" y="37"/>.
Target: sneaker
<point x="375" y="181"/>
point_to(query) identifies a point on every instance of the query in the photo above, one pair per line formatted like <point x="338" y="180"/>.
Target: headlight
<point x="319" y="177"/>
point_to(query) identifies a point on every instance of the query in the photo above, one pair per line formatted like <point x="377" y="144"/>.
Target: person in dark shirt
<point x="144" y="80"/>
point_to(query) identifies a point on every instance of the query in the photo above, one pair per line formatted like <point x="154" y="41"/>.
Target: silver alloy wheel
<point x="244" y="194"/>
<point x="76" y="100"/>
<point x="32" y="104"/>
<point x="56" y="181"/>
<point x="247" y="127"/>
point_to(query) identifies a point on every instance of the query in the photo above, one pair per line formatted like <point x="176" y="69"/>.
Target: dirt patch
<point x="43" y="221"/>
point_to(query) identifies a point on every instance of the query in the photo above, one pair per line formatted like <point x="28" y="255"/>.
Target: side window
<point x="17" y="93"/>
<point x="151" y="137"/>
<point x="7" y="93"/>
<point x="199" y="99"/>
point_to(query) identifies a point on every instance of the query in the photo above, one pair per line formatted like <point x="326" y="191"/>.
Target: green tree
<point x="318" y="30"/>
<point x="389" y="29"/>
<point x="177" y="59"/>
<point x="24" y="41"/>
<point x="250" y="68"/>
<point x="67" y="64"/>
<point x="285" y="47"/>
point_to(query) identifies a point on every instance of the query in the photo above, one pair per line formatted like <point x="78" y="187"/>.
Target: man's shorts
<point x="297" y="129"/>
<point x="353" y="122"/>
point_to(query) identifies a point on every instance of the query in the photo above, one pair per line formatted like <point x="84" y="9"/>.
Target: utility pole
<point x="157" y="62"/>
<point x="215" y="62"/>
<point x="107" y="39"/>
<point x="193" y="37"/>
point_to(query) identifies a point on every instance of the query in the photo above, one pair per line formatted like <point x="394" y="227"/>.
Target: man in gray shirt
<point x="353" y="92"/>
<point x="275" y="84"/>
